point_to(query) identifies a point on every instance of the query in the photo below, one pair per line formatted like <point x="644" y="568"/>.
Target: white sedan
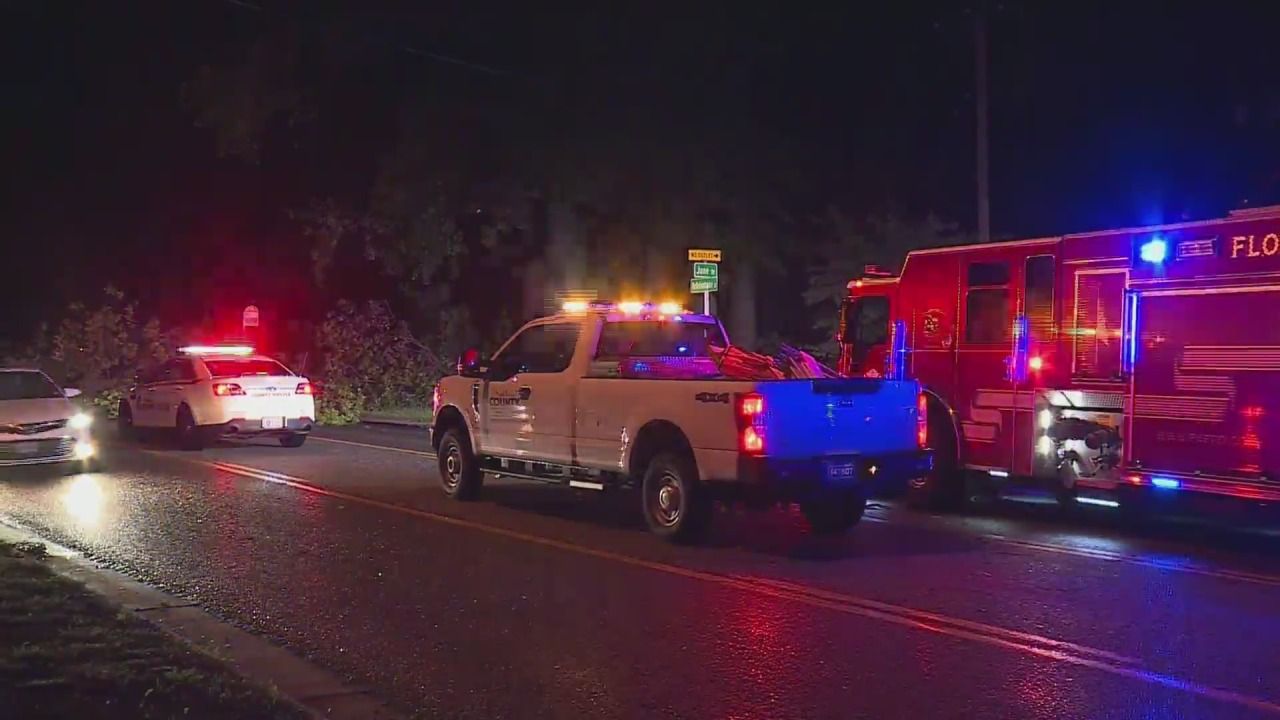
<point x="208" y="392"/>
<point x="38" y="424"/>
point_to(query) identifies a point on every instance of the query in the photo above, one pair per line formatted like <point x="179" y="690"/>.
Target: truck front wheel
<point x="460" y="474"/>
<point x="834" y="514"/>
<point x="943" y="489"/>
<point x="676" y="506"/>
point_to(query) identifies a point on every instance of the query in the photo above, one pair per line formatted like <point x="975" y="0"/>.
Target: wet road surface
<point x="543" y="602"/>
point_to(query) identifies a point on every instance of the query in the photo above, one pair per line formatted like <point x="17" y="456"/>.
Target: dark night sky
<point x="1102" y="114"/>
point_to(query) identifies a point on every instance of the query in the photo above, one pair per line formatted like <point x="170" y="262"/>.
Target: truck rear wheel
<point x="460" y="474"/>
<point x="676" y="505"/>
<point x="833" y="514"/>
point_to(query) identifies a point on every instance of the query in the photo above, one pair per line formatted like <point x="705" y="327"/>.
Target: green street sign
<point x="703" y="285"/>
<point x="705" y="271"/>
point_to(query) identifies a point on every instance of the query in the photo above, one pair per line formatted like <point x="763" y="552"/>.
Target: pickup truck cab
<point x="606" y="396"/>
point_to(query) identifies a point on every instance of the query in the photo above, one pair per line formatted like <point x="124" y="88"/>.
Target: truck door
<point x="985" y="393"/>
<point x="864" y="335"/>
<point x="1036" y="303"/>
<point x="527" y="402"/>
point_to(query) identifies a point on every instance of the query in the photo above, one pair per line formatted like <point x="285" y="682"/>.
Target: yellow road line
<point x="1026" y="643"/>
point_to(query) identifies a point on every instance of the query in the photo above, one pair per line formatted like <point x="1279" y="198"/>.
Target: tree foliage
<point x="850" y="245"/>
<point x="371" y="361"/>
<point x="100" y="349"/>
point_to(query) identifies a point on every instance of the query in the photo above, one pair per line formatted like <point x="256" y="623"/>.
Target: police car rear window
<point x="240" y="367"/>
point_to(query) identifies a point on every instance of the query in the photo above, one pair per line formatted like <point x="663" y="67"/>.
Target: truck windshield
<point x="657" y="338"/>
<point x="26" y="385"/>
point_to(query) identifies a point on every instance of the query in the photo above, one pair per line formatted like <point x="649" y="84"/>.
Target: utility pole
<point x="980" y="101"/>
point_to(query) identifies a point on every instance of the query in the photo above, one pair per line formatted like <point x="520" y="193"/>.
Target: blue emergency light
<point x="1154" y="250"/>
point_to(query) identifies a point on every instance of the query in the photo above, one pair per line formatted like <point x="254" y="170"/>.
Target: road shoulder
<point x="302" y="688"/>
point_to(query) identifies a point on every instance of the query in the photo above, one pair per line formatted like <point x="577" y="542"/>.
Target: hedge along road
<point x="547" y="603"/>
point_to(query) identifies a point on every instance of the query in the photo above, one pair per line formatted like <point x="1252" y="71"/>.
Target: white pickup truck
<point x="608" y="396"/>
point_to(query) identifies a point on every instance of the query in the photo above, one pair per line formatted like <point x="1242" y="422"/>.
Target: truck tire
<point x="676" y="505"/>
<point x="834" y="513"/>
<point x="943" y="489"/>
<point x="460" y="474"/>
<point x="293" y="440"/>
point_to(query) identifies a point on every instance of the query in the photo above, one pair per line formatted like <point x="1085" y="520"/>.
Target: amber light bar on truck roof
<point x="216" y="350"/>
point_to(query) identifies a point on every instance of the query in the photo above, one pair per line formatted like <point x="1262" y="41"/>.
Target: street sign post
<point x="706" y="275"/>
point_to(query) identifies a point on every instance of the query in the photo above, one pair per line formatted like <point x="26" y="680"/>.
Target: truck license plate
<point x="843" y="472"/>
<point x="272" y="423"/>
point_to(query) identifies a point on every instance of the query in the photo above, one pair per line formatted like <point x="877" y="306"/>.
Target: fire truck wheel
<point x="460" y="474"/>
<point x="676" y="505"/>
<point x="835" y="513"/>
<point x="943" y="489"/>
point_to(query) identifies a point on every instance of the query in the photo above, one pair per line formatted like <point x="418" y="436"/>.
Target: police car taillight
<point x="223" y="389"/>
<point x="304" y="388"/>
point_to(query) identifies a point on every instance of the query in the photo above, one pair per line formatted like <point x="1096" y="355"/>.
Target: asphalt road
<point x="542" y="602"/>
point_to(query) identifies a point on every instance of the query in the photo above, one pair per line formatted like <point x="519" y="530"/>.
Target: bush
<point x="100" y="350"/>
<point x="371" y="361"/>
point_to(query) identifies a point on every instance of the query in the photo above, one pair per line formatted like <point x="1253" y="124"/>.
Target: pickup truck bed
<point x="570" y="402"/>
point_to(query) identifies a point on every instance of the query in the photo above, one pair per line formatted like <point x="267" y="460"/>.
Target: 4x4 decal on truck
<point x="710" y="397"/>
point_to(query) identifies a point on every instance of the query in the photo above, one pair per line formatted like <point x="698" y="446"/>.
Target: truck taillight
<point x="922" y="420"/>
<point x="224" y="389"/>
<point x="750" y="417"/>
<point x="304" y="388"/>
<point x="435" y="400"/>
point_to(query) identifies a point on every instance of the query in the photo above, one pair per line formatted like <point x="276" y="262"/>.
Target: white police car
<point x="38" y="424"/>
<point x="208" y="392"/>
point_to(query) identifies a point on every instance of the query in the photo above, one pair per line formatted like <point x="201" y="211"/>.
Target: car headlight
<point x="80" y="421"/>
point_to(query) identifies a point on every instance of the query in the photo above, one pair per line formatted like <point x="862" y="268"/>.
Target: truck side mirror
<point x="470" y="363"/>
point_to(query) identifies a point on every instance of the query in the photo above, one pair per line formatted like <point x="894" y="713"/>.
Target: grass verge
<point x="65" y="652"/>
<point x="402" y="414"/>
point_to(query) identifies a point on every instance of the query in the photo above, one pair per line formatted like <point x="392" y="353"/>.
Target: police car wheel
<point x="190" y="436"/>
<point x="460" y="474"/>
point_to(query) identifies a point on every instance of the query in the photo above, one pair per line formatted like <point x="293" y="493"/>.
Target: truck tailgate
<point x="847" y="416"/>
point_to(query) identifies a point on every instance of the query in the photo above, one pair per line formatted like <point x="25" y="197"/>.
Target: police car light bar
<point x="216" y="350"/>
<point x="628" y="307"/>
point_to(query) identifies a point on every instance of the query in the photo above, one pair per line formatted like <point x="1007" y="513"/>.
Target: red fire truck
<point x="1113" y="367"/>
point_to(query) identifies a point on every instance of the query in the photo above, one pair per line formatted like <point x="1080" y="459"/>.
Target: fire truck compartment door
<point x="1206" y="373"/>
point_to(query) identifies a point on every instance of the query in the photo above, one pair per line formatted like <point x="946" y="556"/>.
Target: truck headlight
<point x="85" y="450"/>
<point x="80" y="421"/>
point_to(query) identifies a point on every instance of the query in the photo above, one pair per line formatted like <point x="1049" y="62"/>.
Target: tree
<point x="849" y="246"/>
<point x="100" y="349"/>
